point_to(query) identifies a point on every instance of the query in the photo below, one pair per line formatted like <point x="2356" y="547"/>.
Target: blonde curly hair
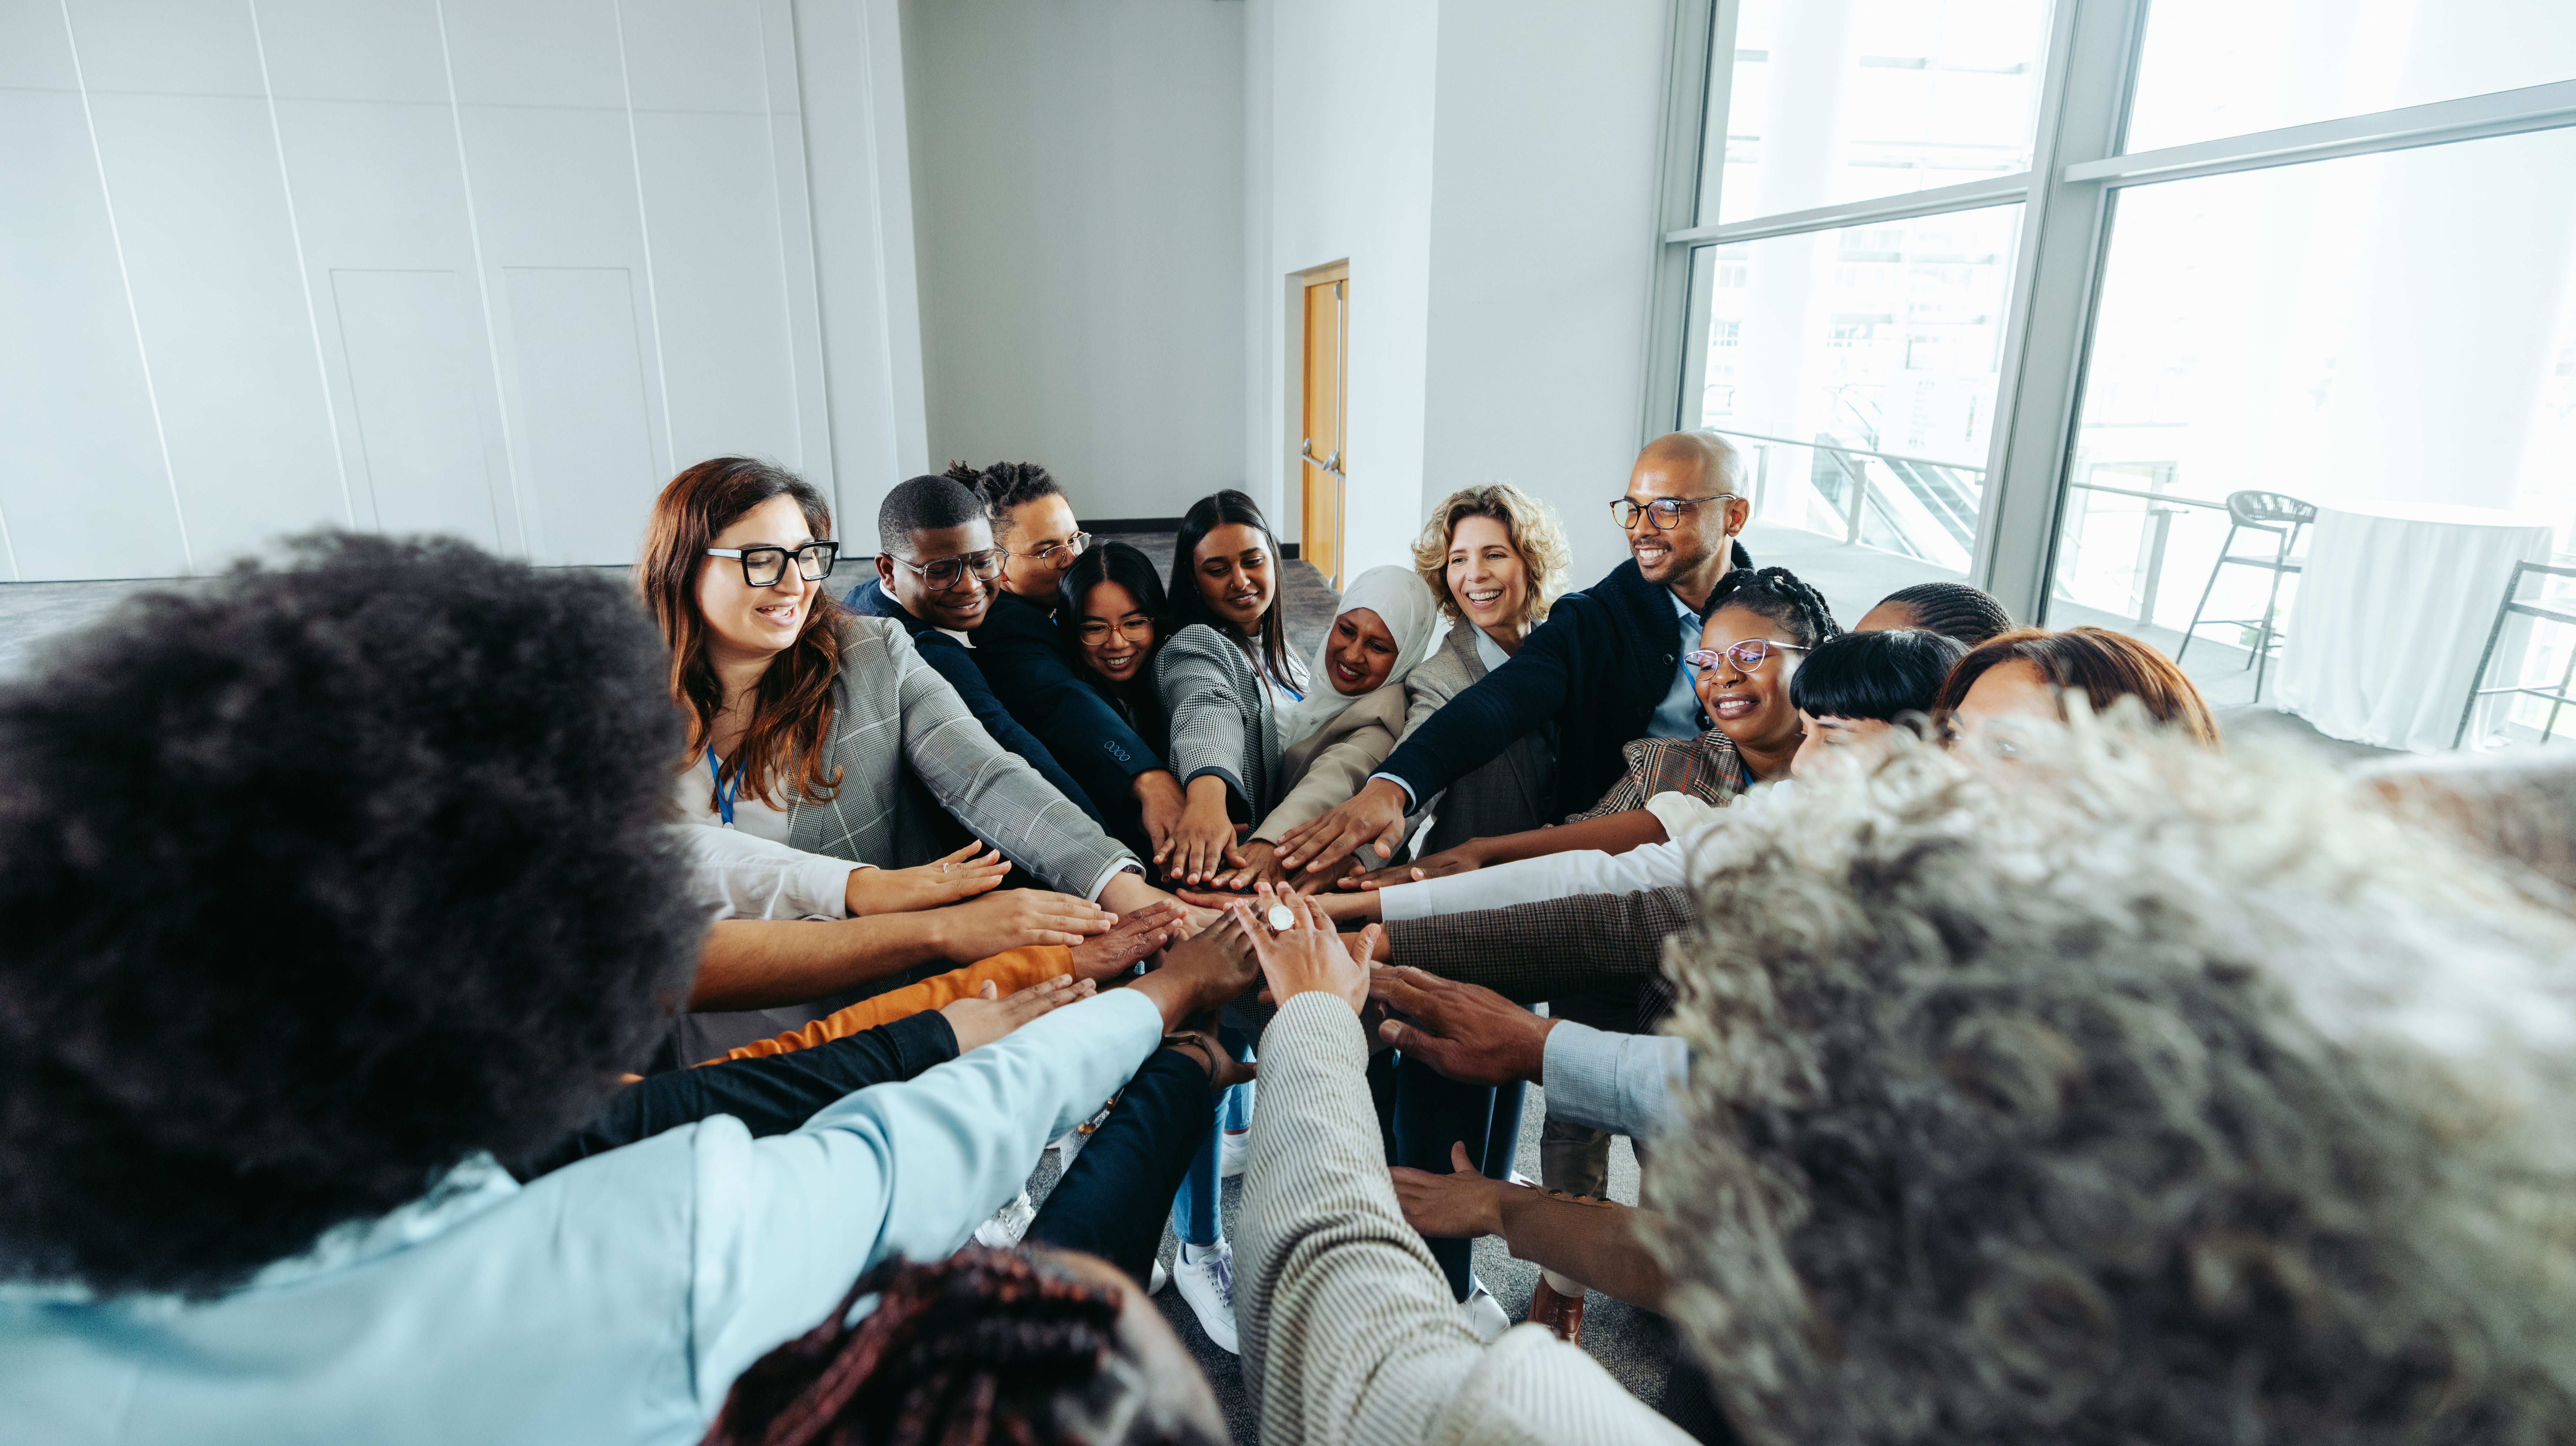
<point x="1534" y="531"/>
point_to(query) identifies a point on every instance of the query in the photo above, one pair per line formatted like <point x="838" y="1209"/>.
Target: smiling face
<point x="1360" y="652"/>
<point x="1487" y="576"/>
<point x="746" y="622"/>
<point x="1834" y="742"/>
<point x="1231" y="566"/>
<point x="1114" y="631"/>
<point x="960" y="606"/>
<point x="1029" y="529"/>
<point x="2008" y="703"/>
<point x="1751" y="708"/>
<point x="1700" y="538"/>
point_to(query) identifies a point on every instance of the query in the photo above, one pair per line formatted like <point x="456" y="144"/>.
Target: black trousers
<point x="1423" y="1112"/>
<point x="1114" y="1199"/>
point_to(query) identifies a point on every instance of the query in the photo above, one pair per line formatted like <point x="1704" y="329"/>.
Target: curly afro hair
<point x="314" y="881"/>
<point x="2145" y="1096"/>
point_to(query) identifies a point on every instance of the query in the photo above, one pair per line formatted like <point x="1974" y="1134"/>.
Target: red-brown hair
<point x="791" y="720"/>
<point x="2108" y="666"/>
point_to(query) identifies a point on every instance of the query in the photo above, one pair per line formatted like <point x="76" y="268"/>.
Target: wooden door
<point x="1321" y="460"/>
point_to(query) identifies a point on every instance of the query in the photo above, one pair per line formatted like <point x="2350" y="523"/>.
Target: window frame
<point x="2069" y="200"/>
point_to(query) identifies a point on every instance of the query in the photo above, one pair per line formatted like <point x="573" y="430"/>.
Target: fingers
<point x="1373" y="946"/>
<point x="1458" y="1160"/>
<point x="1391" y="987"/>
<point x="1389" y="839"/>
<point x="990" y="990"/>
<point x="1393" y="1032"/>
<point x="962" y="855"/>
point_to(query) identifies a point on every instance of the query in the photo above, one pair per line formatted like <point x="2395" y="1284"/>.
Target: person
<point x="250" y="1178"/>
<point x="1495" y="558"/>
<point x="1112" y="606"/>
<point x="825" y="731"/>
<point x="1020" y="649"/>
<point x="2028" y="674"/>
<point x="2189" y="1097"/>
<point x="1606" y="666"/>
<point x="1331" y="739"/>
<point x="935" y="578"/>
<point x="1348" y="1332"/>
<point x="1224" y="676"/>
<point x="1952" y="609"/>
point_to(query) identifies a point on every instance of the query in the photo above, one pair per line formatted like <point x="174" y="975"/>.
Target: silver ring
<point x="943" y="868"/>
<point x="1281" y="919"/>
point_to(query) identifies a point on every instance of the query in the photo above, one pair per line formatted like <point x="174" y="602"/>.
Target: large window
<point x="2244" y="326"/>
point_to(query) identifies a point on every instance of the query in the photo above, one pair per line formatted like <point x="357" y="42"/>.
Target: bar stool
<point x="2268" y="512"/>
<point x="2546" y="609"/>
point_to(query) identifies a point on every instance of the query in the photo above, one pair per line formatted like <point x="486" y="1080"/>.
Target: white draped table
<point x="2392" y="612"/>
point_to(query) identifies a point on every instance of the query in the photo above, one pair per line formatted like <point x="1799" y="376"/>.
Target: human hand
<point x="1139" y="932"/>
<point x="1462" y="1204"/>
<point x="1197" y="849"/>
<point x="1224" y="1070"/>
<point x="1257" y="862"/>
<point x="1340" y="908"/>
<point x="1464" y="1031"/>
<point x="1307" y="955"/>
<point x="1159" y="799"/>
<point x="1204" y="971"/>
<point x="960" y="875"/>
<point x="1372" y="819"/>
<point x="1458" y="860"/>
<point x="1015" y="919"/>
<point x="981" y="1017"/>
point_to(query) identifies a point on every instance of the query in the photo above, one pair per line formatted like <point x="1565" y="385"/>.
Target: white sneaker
<point x="1484" y="1314"/>
<point x="1206" y="1281"/>
<point x="1233" y="1147"/>
<point x="1069" y="1144"/>
<point x="1161" y="1278"/>
<point x="1008" y="1224"/>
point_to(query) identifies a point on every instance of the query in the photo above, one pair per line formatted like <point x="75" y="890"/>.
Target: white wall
<point x="1078" y="210"/>
<point x="492" y="267"/>
<point x="1489" y="171"/>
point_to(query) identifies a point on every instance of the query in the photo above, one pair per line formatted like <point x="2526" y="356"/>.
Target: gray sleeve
<point x="1198" y="693"/>
<point x="1629" y="1083"/>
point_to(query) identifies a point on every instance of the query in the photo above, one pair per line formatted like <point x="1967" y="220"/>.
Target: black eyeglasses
<point x="764" y="566"/>
<point x="1666" y="511"/>
<point x="944" y="574"/>
<point x="1057" y="555"/>
<point x="1748" y="655"/>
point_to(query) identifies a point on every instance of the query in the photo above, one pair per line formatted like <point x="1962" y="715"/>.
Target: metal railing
<point x="2154" y="571"/>
<point x="1950" y="507"/>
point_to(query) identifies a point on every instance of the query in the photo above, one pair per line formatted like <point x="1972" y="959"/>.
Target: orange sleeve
<point x="1010" y="972"/>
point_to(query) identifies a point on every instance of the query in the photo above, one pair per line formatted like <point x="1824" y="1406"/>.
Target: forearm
<point x="1599" y="1242"/>
<point x="1613" y="833"/>
<point x="1523" y="881"/>
<point x="769" y="963"/>
<point x="1008" y="973"/>
<point x="1531" y="952"/>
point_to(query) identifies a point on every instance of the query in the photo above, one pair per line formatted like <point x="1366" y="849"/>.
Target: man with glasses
<point x="938" y="577"/>
<point x="1605" y="667"/>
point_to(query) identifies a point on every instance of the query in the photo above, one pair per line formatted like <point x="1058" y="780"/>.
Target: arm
<point x="1596" y="1241"/>
<point x="961" y="670"/>
<point x="1545" y="950"/>
<point x="1032" y="679"/>
<point x="1339" y="768"/>
<point x="767" y="963"/>
<point x="1202" y="697"/>
<point x="739" y="875"/>
<point x="1549" y="876"/>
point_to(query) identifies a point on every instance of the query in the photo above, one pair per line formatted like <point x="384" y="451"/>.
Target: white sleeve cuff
<point x="1680" y="813"/>
<point x="1411" y="804"/>
<point x="1123" y="866"/>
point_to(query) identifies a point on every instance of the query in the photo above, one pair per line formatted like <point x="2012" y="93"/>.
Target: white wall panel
<point x="415" y="374"/>
<point x="85" y="493"/>
<point x="367" y="50"/>
<point x="211" y="255"/>
<point x="535" y="52"/>
<point x="591" y="468"/>
<point x="695" y="55"/>
<point x="167" y="47"/>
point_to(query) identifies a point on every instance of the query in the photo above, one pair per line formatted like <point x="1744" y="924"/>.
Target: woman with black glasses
<point x="811" y="725"/>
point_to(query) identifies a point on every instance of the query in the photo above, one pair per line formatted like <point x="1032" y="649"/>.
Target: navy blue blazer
<point x="1596" y="669"/>
<point x="956" y="662"/>
<point x="1023" y="659"/>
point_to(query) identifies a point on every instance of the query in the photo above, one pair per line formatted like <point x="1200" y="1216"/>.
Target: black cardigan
<point x="1024" y="661"/>
<point x="1596" y="668"/>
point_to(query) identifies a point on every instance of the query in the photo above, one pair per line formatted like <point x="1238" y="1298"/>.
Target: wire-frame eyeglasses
<point x="947" y="572"/>
<point x="1666" y="511"/>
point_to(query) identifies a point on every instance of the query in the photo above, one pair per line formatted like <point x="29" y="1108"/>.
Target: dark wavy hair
<point x="1114" y="562"/>
<point x="1188" y="606"/>
<point x="1952" y="609"/>
<point x="791" y="722"/>
<point x="1776" y="593"/>
<point x="2149" y="1096"/>
<point x="1005" y="485"/>
<point x="1883" y="675"/>
<point x="2105" y="665"/>
<point x="313" y="882"/>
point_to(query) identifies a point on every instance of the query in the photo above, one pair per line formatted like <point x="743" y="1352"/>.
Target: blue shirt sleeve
<point x="1630" y="1083"/>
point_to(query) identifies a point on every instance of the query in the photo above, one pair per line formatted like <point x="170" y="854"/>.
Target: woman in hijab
<point x="1332" y="739"/>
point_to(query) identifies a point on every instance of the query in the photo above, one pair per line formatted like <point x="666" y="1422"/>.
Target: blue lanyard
<point x="724" y="790"/>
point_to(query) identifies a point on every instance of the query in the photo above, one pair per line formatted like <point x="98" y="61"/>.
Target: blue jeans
<point x="1198" y="1214"/>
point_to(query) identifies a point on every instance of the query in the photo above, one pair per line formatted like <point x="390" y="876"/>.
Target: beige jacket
<point x="1326" y="768"/>
<point x="1349" y="1334"/>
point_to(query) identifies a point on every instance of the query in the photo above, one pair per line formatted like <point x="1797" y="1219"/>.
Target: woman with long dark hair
<point x="1110" y="608"/>
<point x="1224" y="675"/>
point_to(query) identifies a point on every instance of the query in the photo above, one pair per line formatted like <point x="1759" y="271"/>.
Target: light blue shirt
<point x="1627" y="1083"/>
<point x="612" y="1301"/>
<point x="1678" y="715"/>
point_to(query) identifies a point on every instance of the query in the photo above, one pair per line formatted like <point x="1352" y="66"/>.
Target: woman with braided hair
<point x="1952" y="609"/>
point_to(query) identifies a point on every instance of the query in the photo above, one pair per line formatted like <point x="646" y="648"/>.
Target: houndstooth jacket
<point x="1601" y="947"/>
<point x="894" y="718"/>
<point x="1221" y="718"/>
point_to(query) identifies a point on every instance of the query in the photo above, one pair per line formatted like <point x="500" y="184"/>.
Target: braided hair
<point x="1953" y="609"/>
<point x="980" y="1347"/>
<point x="1777" y="594"/>
<point x="1006" y="485"/>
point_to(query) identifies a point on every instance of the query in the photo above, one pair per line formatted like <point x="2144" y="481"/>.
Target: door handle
<point x="1306" y="448"/>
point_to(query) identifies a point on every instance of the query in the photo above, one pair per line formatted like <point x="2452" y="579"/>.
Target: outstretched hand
<point x="1464" y="1031"/>
<point x="1373" y="820"/>
<point x="961" y="875"/>
<point x="982" y="1017"/>
<point x="1138" y="933"/>
<point x="1463" y="1204"/>
<point x="1308" y="955"/>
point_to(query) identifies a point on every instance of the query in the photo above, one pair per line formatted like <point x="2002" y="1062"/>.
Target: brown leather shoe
<point x="1562" y="1314"/>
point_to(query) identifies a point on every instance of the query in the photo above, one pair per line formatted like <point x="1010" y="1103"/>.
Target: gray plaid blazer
<point x="1600" y="949"/>
<point x="891" y="710"/>
<point x="1510" y="792"/>
<point x="1220" y="716"/>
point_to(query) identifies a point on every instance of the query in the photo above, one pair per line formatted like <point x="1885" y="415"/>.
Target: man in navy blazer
<point x="940" y="585"/>
<point x="1606" y="667"/>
